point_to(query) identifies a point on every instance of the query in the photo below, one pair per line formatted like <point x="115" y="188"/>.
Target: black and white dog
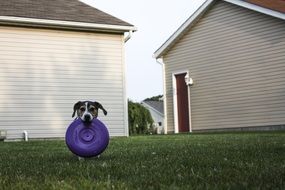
<point x="87" y="110"/>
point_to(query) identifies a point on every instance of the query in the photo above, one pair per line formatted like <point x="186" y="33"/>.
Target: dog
<point x="87" y="110"/>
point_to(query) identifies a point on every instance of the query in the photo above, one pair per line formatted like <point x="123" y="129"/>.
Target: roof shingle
<point x="156" y="105"/>
<point x="63" y="10"/>
<point x="276" y="5"/>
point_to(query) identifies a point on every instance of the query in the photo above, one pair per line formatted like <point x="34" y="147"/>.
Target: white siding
<point x="237" y="60"/>
<point x="44" y="72"/>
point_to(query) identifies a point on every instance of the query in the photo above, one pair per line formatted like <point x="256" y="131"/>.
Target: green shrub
<point x="140" y="120"/>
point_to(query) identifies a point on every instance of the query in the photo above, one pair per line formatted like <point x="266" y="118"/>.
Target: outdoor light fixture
<point x="189" y="81"/>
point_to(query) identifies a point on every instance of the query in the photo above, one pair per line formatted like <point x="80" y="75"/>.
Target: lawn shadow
<point x="101" y="158"/>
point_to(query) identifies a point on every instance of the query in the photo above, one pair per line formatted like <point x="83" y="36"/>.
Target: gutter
<point x="69" y="25"/>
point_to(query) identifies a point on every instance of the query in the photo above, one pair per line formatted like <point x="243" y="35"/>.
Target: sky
<point x="156" y="21"/>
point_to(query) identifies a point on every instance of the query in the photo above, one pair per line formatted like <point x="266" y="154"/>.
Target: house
<point x="224" y="68"/>
<point x="53" y="54"/>
<point x="157" y="113"/>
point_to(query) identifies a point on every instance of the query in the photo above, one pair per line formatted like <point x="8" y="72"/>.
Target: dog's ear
<point x="99" y="106"/>
<point x="76" y="107"/>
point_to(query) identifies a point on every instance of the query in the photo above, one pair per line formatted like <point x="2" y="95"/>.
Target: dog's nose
<point x="87" y="117"/>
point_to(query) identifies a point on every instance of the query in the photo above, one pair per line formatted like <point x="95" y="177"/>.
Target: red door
<point x="182" y="103"/>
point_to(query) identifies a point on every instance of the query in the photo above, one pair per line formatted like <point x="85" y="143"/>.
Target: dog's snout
<point x="87" y="117"/>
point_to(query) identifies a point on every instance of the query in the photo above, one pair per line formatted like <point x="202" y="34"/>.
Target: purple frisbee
<point x="87" y="140"/>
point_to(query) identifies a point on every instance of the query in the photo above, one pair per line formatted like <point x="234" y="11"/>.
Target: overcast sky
<point x="155" y="20"/>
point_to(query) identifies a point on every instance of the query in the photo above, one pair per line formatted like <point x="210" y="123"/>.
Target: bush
<point x="140" y="120"/>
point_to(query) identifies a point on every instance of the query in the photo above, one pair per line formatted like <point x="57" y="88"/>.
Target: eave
<point x="67" y="25"/>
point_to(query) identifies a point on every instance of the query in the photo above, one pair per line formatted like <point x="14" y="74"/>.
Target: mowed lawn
<point x="189" y="161"/>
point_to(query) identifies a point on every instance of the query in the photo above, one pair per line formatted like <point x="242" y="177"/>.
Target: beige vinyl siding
<point x="44" y="72"/>
<point x="236" y="58"/>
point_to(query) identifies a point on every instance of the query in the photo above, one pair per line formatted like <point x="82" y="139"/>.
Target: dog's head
<point x="87" y="110"/>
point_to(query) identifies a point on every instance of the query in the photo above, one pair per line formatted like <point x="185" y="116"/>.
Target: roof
<point x="276" y="5"/>
<point x="275" y="8"/>
<point x="56" y="11"/>
<point x="155" y="105"/>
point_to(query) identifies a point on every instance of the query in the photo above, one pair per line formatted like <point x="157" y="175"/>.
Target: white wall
<point x="236" y="59"/>
<point x="44" y="72"/>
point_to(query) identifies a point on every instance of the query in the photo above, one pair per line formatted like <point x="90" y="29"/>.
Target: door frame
<point x="175" y="104"/>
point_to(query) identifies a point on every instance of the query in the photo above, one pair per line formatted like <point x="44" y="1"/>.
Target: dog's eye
<point x="92" y="109"/>
<point x="82" y="109"/>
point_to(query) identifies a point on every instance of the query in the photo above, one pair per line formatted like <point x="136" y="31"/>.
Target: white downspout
<point x="124" y="71"/>
<point x="189" y="109"/>
<point x="26" y="135"/>
<point x="164" y="95"/>
<point x="128" y="36"/>
<point x="189" y="82"/>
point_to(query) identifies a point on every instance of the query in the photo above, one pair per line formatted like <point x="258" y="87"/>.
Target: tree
<point x="154" y="98"/>
<point x="140" y="120"/>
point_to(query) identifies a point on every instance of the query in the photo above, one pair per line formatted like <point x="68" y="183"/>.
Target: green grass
<point x="197" y="161"/>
